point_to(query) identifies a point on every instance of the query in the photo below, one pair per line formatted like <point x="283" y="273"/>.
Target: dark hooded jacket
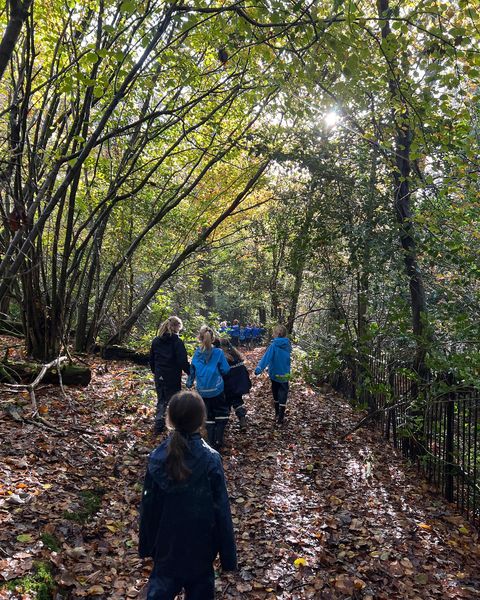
<point x="237" y="380"/>
<point x="183" y="526"/>
<point x="168" y="358"/>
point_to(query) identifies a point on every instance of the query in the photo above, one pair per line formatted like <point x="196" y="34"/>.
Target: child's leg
<point x="210" y="422"/>
<point x="240" y="410"/>
<point x="282" y="399"/>
<point x="161" y="406"/>
<point x="161" y="587"/>
<point x="201" y="589"/>
<point x="275" y="385"/>
<point x="164" y="394"/>
<point x="222" y="412"/>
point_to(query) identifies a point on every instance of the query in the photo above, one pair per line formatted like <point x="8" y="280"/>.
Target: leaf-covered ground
<point x="316" y="515"/>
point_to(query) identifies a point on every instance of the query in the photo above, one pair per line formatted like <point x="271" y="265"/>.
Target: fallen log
<point x="13" y="328"/>
<point x="24" y="372"/>
<point x="122" y="353"/>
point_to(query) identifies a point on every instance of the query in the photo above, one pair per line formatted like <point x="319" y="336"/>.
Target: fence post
<point x="449" y="465"/>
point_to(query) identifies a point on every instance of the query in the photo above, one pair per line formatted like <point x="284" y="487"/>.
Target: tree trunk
<point x="300" y="253"/>
<point x="206" y="284"/>
<point x="23" y="372"/>
<point x="262" y="314"/>
<point x="123" y="353"/>
<point x="18" y="15"/>
<point x="363" y="285"/>
<point x="402" y="205"/>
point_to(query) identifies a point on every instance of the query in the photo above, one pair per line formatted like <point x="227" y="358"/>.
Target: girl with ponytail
<point x="208" y="367"/>
<point x="168" y="358"/>
<point x="185" y="518"/>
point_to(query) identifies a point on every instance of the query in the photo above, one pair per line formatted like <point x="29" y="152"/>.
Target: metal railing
<point x="436" y="425"/>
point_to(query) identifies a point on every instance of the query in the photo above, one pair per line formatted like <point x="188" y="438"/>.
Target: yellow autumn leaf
<point x="95" y="590"/>
<point x="425" y="526"/>
<point x="463" y="530"/>
<point x="300" y="562"/>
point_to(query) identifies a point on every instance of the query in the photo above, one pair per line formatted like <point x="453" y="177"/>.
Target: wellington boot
<point x="159" y="426"/>
<point x="242" y="421"/>
<point x="210" y="428"/>
<point x="219" y="433"/>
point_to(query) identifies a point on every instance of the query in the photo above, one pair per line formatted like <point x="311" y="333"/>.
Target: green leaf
<point x="127" y="6"/>
<point x="91" y="57"/>
<point x="25" y="538"/>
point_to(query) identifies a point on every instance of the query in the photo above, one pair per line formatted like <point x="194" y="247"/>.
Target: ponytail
<point x="175" y="464"/>
<point x="185" y="415"/>
<point x="206" y="337"/>
<point x="170" y="326"/>
<point x="231" y="353"/>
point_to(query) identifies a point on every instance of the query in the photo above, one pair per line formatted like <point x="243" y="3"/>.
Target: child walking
<point x="168" y="358"/>
<point x="208" y="367"/>
<point x="185" y="518"/>
<point x="277" y="360"/>
<point x="237" y="382"/>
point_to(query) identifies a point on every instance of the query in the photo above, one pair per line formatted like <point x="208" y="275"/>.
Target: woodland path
<point x="316" y="516"/>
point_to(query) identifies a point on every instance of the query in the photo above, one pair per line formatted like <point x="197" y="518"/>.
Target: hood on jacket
<point x="204" y="355"/>
<point x="168" y="337"/>
<point x="282" y="343"/>
<point x="156" y="463"/>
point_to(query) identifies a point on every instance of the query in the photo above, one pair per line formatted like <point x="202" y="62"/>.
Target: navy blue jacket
<point x="237" y="380"/>
<point x="183" y="526"/>
<point x="168" y="358"/>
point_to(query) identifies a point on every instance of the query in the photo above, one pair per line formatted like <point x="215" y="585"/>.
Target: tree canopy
<point x="315" y="163"/>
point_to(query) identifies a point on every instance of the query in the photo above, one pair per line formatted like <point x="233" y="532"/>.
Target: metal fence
<point x="437" y="426"/>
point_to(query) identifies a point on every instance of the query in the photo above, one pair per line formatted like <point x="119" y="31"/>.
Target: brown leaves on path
<point x="316" y="516"/>
<point x="322" y="517"/>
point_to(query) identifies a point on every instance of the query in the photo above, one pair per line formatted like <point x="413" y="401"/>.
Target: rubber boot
<point x="276" y="410"/>
<point x="281" y="414"/>
<point x="242" y="421"/>
<point x="219" y="433"/>
<point x="210" y="427"/>
<point x="159" y="426"/>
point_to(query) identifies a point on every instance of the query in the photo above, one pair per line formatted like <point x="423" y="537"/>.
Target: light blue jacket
<point x="207" y="367"/>
<point x="277" y="360"/>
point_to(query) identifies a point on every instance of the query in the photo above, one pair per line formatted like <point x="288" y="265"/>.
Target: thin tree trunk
<point x="300" y="255"/>
<point x="18" y="15"/>
<point x="402" y="205"/>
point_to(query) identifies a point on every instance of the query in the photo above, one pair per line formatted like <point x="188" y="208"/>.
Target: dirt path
<point x="316" y="517"/>
<point x="363" y="524"/>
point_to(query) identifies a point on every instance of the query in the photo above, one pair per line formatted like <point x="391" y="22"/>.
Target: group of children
<point x="185" y="518"/>
<point x="249" y="335"/>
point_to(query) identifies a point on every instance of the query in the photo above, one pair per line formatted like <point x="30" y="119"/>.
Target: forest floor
<point x="317" y="515"/>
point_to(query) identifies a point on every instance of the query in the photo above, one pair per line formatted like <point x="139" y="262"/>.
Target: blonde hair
<point x="279" y="331"/>
<point x="206" y="335"/>
<point x="170" y="326"/>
